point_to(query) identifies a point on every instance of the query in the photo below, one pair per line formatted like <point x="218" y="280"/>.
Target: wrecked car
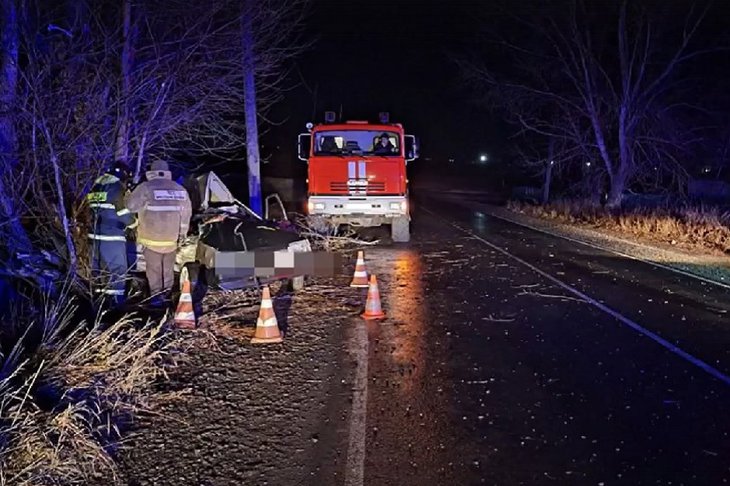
<point x="224" y="233"/>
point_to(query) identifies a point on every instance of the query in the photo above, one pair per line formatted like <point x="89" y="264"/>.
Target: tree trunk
<point x="140" y="159"/>
<point x="61" y="203"/>
<point x="78" y="20"/>
<point x="618" y="185"/>
<point x="10" y="42"/>
<point x="620" y="177"/>
<point x="63" y="215"/>
<point x="548" y="172"/>
<point x="546" y="183"/>
<point x="121" y="152"/>
<point x="252" y="132"/>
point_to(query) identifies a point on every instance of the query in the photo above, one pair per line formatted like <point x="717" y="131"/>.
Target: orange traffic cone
<point x="360" y="279"/>
<point x="185" y="314"/>
<point x="372" y="306"/>
<point x="267" y="327"/>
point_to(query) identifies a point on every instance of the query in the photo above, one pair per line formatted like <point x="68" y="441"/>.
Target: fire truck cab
<point x="357" y="173"/>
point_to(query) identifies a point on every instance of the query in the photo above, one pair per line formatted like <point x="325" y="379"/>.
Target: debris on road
<point x="550" y="296"/>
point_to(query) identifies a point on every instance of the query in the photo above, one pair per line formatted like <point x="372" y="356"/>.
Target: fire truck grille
<point x="376" y="187"/>
<point x="371" y="187"/>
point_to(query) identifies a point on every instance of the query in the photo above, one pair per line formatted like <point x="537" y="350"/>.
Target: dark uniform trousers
<point x="109" y="267"/>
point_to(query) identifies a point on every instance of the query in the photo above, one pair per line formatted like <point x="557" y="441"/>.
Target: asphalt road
<point x="512" y="357"/>
<point x="508" y="357"/>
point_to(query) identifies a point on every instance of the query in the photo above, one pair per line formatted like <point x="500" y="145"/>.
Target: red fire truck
<point x="357" y="173"/>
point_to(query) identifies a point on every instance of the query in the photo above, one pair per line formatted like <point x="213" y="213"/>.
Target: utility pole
<point x="253" y="157"/>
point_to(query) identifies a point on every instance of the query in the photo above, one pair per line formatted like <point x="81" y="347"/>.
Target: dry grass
<point x="50" y="448"/>
<point x="696" y="228"/>
<point x="60" y="407"/>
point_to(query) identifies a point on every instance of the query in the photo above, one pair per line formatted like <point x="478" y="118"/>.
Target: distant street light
<point x="483" y="158"/>
<point x="588" y="164"/>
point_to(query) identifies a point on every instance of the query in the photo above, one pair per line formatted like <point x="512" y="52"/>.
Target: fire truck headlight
<point x="399" y="206"/>
<point x="313" y="206"/>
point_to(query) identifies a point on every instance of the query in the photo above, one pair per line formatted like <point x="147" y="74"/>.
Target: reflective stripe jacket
<point x="110" y="217"/>
<point x="164" y="211"/>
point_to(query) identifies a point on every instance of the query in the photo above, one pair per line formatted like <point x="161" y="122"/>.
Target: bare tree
<point x="66" y="96"/>
<point x="104" y="80"/>
<point x="192" y="79"/>
<point x="601" y="79"/>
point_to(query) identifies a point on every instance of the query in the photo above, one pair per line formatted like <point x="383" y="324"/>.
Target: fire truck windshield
<point x="360" y="142"/>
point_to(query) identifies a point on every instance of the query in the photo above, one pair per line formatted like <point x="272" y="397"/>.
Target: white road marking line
<point x="660" y="340"/>
<point x="355" y="472"/>
<point x="615" y="252"/>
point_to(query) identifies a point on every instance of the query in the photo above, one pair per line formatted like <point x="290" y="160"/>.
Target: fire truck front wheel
<point x="295" y="284"/>
<point x="400" y="230"/>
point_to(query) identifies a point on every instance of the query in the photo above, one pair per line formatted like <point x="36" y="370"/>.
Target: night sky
<point x="398" y="56"/>
<point x="373" y="56"/>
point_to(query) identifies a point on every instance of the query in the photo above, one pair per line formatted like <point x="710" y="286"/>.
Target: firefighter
<point x="384" y="145"/>
<point x="110" y="219"/>
<point x="164" y="211"/>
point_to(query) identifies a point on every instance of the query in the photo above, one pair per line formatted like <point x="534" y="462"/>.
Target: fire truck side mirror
<point x="411" y="146"/>
<point x="304" y="143"/>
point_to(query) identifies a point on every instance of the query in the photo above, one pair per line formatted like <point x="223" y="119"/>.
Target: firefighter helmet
<point x="121" y="170"/>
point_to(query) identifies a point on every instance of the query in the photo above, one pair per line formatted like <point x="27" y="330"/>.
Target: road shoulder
<point x="714" y="269"/>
